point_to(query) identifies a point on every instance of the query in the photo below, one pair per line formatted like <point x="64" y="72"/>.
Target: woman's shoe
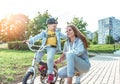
<point x="77" y="79"/>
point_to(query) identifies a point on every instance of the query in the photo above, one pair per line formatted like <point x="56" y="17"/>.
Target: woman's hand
<point x="57" y="61"/>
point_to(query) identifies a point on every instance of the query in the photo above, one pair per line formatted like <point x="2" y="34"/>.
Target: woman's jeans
<point x="74" y="63"/>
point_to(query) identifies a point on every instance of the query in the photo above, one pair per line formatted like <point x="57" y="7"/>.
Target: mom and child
<point x="74" y="51"/>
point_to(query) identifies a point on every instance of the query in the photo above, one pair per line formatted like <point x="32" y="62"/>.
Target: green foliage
<point x="89" y="41"/>
<point x="38" y="24"/>
<point x="109" y="39"/>
<point x="81" y="25"/>
<point x="103" y="48"/>
<point x="95" y="38"/>
<point x="14" y="64"/>
<point x="62" y="43"/>
<point x="94" y="42"/>
<point x="17" y="45"/>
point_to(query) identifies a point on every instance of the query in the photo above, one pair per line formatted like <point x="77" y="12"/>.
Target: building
<point x="89" y="35"/>
<point x="108" y="26"/>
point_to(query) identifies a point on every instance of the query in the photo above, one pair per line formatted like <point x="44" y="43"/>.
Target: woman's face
<point x="70" y="32"/>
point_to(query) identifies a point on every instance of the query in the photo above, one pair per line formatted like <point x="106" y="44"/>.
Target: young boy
<point x="50" y="37"/>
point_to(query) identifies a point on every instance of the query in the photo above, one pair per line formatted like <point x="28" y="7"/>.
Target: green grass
<point x="103" y="48"/>
<point x="13" y="65"/>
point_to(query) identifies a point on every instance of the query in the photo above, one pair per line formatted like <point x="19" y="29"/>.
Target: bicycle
<point x="30" y="75"/>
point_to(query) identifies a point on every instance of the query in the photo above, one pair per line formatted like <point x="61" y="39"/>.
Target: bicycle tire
<point x="26" y="77"/>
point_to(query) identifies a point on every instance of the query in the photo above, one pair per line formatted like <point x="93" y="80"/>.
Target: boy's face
<point x="52" y="26"/>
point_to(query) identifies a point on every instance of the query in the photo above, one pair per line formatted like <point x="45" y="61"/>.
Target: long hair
<point x="79" y="35"/>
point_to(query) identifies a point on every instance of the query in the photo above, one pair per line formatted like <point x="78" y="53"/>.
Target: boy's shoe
<point x="50" y="78"/>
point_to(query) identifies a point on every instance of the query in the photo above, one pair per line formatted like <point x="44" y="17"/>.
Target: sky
<point x="65" y="10"/>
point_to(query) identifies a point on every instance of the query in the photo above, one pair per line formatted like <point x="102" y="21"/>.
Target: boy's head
<point x="51" y="23"/>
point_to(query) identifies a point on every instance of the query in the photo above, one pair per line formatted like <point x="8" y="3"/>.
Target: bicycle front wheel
<point x="28" y="78"/>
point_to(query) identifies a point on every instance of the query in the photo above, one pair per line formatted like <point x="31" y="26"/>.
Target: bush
<point x="95" y="38"/>
<point x="89" y="41"/>
<point x="62" y="43"/>
<point x="103" y="48"/>
<point x="17" y="45"/>
<point x="94" y="42"/>
<point x="109" y="39"/>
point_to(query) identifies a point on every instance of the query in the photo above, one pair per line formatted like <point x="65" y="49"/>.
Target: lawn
<point x="103" y="48"/>
<point x="13" y="65"/>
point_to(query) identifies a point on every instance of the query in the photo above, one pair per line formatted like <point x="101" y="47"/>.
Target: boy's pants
<point x="50" y="58"/>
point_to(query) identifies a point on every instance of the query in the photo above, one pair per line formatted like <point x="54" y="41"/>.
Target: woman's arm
<point x="60" y="59"/>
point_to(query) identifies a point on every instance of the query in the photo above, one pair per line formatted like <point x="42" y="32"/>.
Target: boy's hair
<point x="51" y="21"/>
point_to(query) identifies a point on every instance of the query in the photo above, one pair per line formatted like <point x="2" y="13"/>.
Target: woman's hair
<point x="79" y="35"/>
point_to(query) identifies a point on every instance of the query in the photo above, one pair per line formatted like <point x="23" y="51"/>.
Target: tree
<point x="2" y="30"/>
<point x="37" y="24"/>
<point x="109" y="39"/>
<point x="13" y="27"/>
<point x="81" y="25"/>
<point x="95" y="38"/>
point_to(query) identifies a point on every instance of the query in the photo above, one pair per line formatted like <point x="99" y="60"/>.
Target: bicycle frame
<point x="33" y="68"/>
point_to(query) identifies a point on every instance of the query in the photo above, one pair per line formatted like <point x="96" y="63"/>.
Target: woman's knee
<point x="62" y="72"/>
<point x="85" y="70"/>
<point x="70" y="55"/>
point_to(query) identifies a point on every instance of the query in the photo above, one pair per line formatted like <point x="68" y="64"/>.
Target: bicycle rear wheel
<point x="62" y="81"/>
<point x="43" y="77"/>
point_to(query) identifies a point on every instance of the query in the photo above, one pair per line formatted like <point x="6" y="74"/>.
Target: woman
<point x="75" y="53"/>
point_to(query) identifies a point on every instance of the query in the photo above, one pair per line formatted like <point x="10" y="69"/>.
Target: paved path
<point x="105" y="70"/>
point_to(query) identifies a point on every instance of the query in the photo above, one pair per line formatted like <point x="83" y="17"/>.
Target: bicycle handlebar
<point x="41" y="48"/>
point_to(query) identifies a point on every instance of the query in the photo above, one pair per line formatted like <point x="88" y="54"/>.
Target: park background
<point x="21" y="19"/>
